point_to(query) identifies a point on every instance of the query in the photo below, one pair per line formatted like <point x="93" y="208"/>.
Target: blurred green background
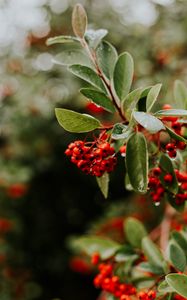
<point x="44" y="198"/>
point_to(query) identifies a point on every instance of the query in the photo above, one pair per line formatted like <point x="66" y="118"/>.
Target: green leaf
<point x="91" y="244"/>
<point x="165" y="288"/>
<point x="152" y="96"/>
<point x="146" y="91"/>
<point x="130" y="102"/>
<point x="121" y="131"/>
<point x="175" y="136"/>
<point x="71" y="56"/>
<point x="123" y="75"/>
<point x="137" y="162"/>
<point x="103" y="183"/>
<point x="76" y="122"/>
<point x="106" y="57"/>
<point x="61" y="39"/>
<point x="167" y="167"/>
<point x="180" y="239"/>
<point x="180" y="94"/>
<point x="135" y="231"/>
<point x="171" y="112"/>
<point x="178" y="282"/>
<point x="94" y="37"/>
<point x="99" y="98"/>
<point x="149" y="122"/>
<point x="125" y="253"/>
<point x="79" y="20"/>
<point x="152" y="252"/>
<point x="88" y="75"/>
<point x="177" y="256"/>
<point x="147" y="267"/>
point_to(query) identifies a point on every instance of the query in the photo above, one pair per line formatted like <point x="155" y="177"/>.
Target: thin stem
<point x="102" y="76"/>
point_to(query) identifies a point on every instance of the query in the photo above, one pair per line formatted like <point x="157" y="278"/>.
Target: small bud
<point x="79" y="20"/>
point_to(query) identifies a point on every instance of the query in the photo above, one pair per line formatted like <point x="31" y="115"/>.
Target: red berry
<point x="168" y="178"/>
<point x="156" y="198"/>
<point x="151" y="295"/>
<point x="156" y="171"/>
<point x="180" y="145"/>
<point x="123" y="150"/>
<point x="153" y="181"/>
<point x="172" y="154"/>
<point x="95" y="258"/>
<point x="142" y="296"/>
<point x="176" y="126"/>
<point x="184" y="186"/>
<point x="170" y="147"/>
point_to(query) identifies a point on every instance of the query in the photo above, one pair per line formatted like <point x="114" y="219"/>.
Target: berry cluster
<point x="182" y="195"/>
<point x="150" y="295"/>
<point x="93" y="158"/>
<point x="158" y="190"/>
<point x="109" y="282"/>
<point x="172" y="147"/>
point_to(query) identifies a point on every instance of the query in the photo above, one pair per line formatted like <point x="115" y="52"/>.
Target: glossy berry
<point x="122" y="150"/>
<point x="172" y="154"/>
<point x="168" y="178"/>
<point x="95" y="159"/>
<point x="170" y="147"/>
